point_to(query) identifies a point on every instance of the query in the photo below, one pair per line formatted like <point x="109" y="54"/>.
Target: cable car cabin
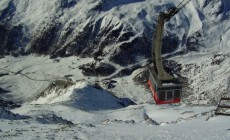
<point x="164" y="93"/>
<point x="163" y="85"/>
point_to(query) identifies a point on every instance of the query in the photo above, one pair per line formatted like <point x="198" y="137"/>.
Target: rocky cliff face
<point x="120" y="30"/>
<point x="117" y="30"/>
<point x="63" y="28"/>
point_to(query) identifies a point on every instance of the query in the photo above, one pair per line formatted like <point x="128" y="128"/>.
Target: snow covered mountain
<point x="117" y="29"/>
<point x="120" y="33"/>
<point x="50" y="78"/>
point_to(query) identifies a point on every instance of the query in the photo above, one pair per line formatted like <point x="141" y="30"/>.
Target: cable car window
<point x="177" y="93"/>
<point x="169" y="94"/>
<point x="162" y="95"/>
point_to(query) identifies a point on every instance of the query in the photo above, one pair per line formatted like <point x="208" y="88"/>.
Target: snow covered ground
<point x="81" y="111"/>
<point x="173" y="122"/>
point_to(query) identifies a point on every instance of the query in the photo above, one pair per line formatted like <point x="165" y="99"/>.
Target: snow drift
<point x="82" y="96"/>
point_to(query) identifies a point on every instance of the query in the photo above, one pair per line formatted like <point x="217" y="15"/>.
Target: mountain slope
<point x="117" y="29"/>
<point x="108" y="42"/>
<point x="120" y="33"/>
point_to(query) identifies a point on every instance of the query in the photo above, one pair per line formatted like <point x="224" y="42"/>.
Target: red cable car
<point x="164" y="86"/>
<point x="164" y="93"/>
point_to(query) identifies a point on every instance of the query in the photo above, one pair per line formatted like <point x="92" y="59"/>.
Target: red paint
<point x="174" y="100"/>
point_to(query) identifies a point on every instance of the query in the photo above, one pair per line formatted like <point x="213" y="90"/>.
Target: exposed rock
<point x="8" y="104"/>
<point x="127" y="53"/>
<point x="7" y="14"/>
<point x="5" y="114"/>
<point x="109" y="84"/>
<point x="13" y="40"/>
<point x="103" y="69"/>
<point x="68" y="3"/>
<point x="100" y="31"/>
<point x="170" y="43"/>
<point x="219" y="58"/>
<point x="52" y="119"/>
<point x="46" y="41"/>
<point x="127" y="71"/>
<point x="3" y="91"/>
<point x="126" y="102"/>
<point x="3" y="74"/>
<point x="58" y="86"/>
<point x="172" y="67"/>
<point x="142" y="77"/>
<point x="148" y="120"/>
